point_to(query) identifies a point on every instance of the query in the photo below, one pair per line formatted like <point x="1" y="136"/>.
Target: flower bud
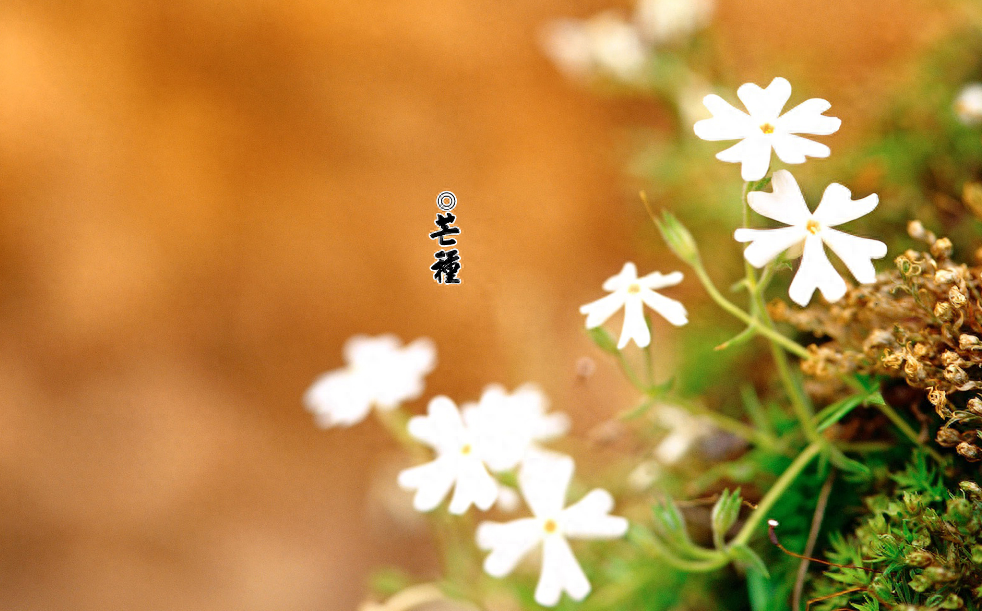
<point x="941" y="249"/>
<point x="969" y="452"/>
<point x="918" y="558"/>
<point x="919" y="583"/>
<point x="952" y="601"/>
<point x="971" y="487"/>
<point x="678" y="238"/>
<point x="939" y="574"/>
<point x="959" y="510"/>
<point x="977" y="554"/>
<point x="950" y="357"/>
<point x="915" y="229"/>
<point x="944" y="276"/>
<point x="975" y="406"/>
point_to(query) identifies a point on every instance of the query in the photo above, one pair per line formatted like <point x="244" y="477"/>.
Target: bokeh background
<point x="201" y="200"/>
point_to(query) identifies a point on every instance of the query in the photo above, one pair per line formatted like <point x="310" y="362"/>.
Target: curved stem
<point x="908" y="432"/>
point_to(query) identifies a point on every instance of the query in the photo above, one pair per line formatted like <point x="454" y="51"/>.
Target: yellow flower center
<point x="767" y="128"/>
<point x="466" y="449"/>
<point x="550" y="526"/>
<point x="812" y="226"/>
<point x="634" y="289"/>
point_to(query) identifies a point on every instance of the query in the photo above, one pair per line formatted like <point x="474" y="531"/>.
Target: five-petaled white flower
<point x="379" y="373"/>
<point x="543" y="482"/>
<point x="462" y="455"/>
<point x="809" y="231"/>
<point x="629" y="291"/>
<point x="766" y="128"/>
<point x="513" y="424"/>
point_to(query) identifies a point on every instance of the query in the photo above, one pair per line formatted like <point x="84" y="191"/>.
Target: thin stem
<point x="782" y="483"/>
<point x="908" y="432"/>
<point x="817" y="517"/>
<point x="735" y="311"/>
<point x="730" y="425"/>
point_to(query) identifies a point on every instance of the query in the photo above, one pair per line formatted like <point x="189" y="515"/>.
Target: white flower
<point x="629" y="291"/>
<point x="461" y="457"/>
<point x="543" y="483"/>
<point x="669" y="21"/>
<point x="605" y="43"/>
<point x="766" y="128"/>
<point x="810" y="231"/>
<point x="379" y="373"/>
<point x="968" y="104"/>
<point x="512" y="425"/>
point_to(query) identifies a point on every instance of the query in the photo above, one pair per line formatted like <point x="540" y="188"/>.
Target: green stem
<point x="735" y="311"/>
<point x="908" y="432"/>
<point x="730" y="425"/>
<point x="782" y="483"/>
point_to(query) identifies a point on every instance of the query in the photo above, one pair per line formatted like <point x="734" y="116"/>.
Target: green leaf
<point x="603" y="340"/>
<point x="837" y="411"/>
<point x="840" y="460"/>
<point x="748" y="558"/>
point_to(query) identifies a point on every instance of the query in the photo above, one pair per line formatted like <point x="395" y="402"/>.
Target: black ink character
<point x="444" y="221"/>
<point x="446" y="266"/>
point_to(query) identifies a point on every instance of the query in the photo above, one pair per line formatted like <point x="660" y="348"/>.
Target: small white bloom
<point x="683" y="428"/>
<point x="809" y="231"/>
<point x="629" y="291"/>
<point x="461" y="455"/>
<point x="669" y="21"/>
<point x="605" y="43"/>
<point x="766" y="128"/>
<point x="379" y="373"/>
<point x="543" y="483"/>
<point x="513" y="424"/>
<point x="968" y="104"/>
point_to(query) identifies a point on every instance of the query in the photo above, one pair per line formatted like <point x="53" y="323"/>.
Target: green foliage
<point x="920" y="545"/>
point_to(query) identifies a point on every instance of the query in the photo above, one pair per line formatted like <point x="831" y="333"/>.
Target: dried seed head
<point x="941" y="249"/>
<point x="948" y="438"/>
<point x="892" y="360"/>
<point x="920" y="350"/>
<point x="955" y="374"/>
<point x="969" y="451"/>
<point x="913" y="369"/>
<point x="943" y="311"/>
<point x="944" y="276"/>
<point x="969" y="342"/>
<point x="956" y="297"/>
<point x="905" y="266"/>
<point x="971" y="487"/>
<point x="950" y="357"/>
<point x="936" y="396"/>
<point x="975" y="406"/>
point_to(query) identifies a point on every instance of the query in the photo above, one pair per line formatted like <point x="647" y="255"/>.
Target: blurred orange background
<point x="201" y="200"/>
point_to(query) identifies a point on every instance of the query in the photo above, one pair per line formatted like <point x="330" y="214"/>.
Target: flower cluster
<point x="501" y="433"/>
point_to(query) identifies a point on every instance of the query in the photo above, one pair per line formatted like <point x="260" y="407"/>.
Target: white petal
<point x="627" y="275"/>
<point x="768" y="243"/>
<point x="765" y="104"/>
<point x="837" y="206"/>
<point x="816" y="271"/>
<point x="635" y="326"/>
<point x="550" y="426"/>
<point x="856" y="253"/>
<point x="543" y="480"/>
<point x="475" y="486"/>
<point x="338" y="398"/>
<point x="420" y="356"/>
<point x="727" y="123"/>
<point x="365" y="350"/>
<point x="784" y="203"/>
<point x="753" y="153"/>
<point x="673" y="311"/>
<point x="600" y="310"/>
<point x="442" y="427"/>
<point x="560" y="571"/>
<point x="656" y="280"/>
<point x="588" y="519"/>
<point x="793" y="149"/>
<point x="508" y="543"/>
<point x="807" y="118"/>
<point x="431" y="481"/>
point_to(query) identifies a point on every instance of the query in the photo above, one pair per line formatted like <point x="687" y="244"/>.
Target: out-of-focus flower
<point x="378" y="373"/>
<point x="461" y="461"/>
<point x="669" y="21"/>
<point x="543" y="483"/>
<point x="684" y="429"/>
<point x="605" y="44"/>
<point x="810" y="231"/>
<point x="765" y="128"/>
<point x="421" y="597"/>
<point x="629" y="291"/>
<point x="968" y="104"/>
<point x="513" y="424"/>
